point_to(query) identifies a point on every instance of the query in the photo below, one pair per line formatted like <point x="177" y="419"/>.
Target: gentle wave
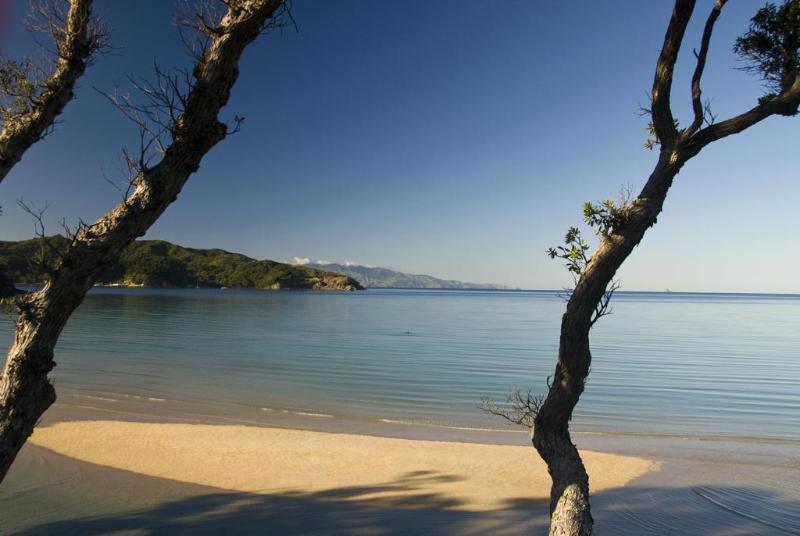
<point x="449" y="427"/>
<point x="301" y="413"/>
<point x="757" y="506"/>
<point x="93" y="397"/>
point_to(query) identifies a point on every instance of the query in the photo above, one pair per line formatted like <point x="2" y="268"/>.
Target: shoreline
<point x="94" y="470"/>
<point x="81" y="404"/>
<point x="387" y="472"/>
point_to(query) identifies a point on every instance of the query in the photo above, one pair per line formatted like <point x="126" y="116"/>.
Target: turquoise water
<point x="681" y="364"/>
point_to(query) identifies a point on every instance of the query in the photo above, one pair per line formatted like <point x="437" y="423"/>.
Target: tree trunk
<point x="25" y="391"/>
<point x="7" y="287"/>
<point x="570" y="511"/>
<point x="569" y="496"/>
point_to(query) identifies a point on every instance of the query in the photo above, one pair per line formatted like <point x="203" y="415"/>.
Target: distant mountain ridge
<point x="156" y="263"/>
<point x="377" y="277"/>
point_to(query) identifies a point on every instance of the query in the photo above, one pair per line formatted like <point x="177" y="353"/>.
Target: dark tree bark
<point x="25" y="391"/>
<point x="7" y="287"/>
<point x="76" y="40"/>
<point x="569" y="497"/>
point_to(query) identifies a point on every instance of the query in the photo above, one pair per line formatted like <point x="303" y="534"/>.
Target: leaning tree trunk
<point x="25" y="391"/>
<point x="569" y="496"/>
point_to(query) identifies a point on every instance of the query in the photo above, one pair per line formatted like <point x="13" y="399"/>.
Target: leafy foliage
<point x="573" y="252"/>
<point x="605" y="218"/>
<point x="25" y="83"/>
<point x="18" y="88"/>
<point x="609" y="215"/>
<point x="771" y="44"/>
<point x="652" y="137"/>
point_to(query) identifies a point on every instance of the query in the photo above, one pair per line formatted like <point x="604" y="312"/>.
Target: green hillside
<point x="155" y="263"/>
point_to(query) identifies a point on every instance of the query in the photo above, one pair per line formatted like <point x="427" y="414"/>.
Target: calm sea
<point x="664" y="363"/>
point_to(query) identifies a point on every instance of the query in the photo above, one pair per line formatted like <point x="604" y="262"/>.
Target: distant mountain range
<point x="376" y="277"/>
<point x="156" y="263"/>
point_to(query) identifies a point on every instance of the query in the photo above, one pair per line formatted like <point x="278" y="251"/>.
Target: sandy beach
<point x="381" y="471"/>
<point x="117" y="470"/>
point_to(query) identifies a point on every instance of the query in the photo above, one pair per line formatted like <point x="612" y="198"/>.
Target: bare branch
<point x="44" y="261"/>
<point x="37" y="214"/>
<point x="663" y="121"/>
<point x="520" y="408"/>
<point x="603" y="306"/>
<point x="697" y="106"/>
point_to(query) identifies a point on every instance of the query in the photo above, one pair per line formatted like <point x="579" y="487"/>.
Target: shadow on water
<point x="355" y="510"/>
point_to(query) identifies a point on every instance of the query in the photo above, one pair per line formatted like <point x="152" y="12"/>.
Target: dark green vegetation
<point x="376" y="277"/>
<point x="155" y="263"/>
<point x="7" y="287"/>
<point x="770" y="46"/>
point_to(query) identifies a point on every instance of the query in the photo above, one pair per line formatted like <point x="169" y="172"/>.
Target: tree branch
<point x="697" y="104"/>
<point x="603" y="307"/>
<point x="520" y="408"/>
<point x="33" y="105"/>
<point x="786" y="103"/>
<point x="663" y="121"/>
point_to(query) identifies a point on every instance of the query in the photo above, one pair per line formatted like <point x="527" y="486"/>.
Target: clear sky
<point x="456" y="138"/>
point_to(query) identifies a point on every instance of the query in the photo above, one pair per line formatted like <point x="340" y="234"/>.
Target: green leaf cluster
<point x="573" y="252"/>
<point x="771" y="44"/>
<point x="605" y="218"/>
<point x="18" y="88"/>
<point x="608" y="215"/>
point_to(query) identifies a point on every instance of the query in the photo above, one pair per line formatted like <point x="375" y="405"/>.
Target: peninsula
<point x="156" y="263"/>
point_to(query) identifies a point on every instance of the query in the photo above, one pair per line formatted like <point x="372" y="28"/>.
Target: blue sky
<point x="454" y="138"/>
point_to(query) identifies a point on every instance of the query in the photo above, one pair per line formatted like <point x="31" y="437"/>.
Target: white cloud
<point x="300" y="260"/>
<point x="323" y="262"/>
<point x="350" y="263"/>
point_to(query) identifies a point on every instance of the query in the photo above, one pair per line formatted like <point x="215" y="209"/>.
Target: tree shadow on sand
<point x="399" y="506"/>
<point x="49" y="494"/>
<point x="354" y="510"/>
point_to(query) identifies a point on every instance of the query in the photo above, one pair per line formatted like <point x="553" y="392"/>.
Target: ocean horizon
<point x="664" y="363"/>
